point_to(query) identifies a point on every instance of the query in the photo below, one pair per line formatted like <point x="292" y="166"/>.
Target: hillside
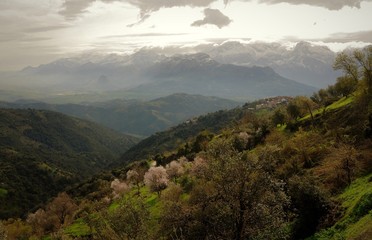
<point x="278" y="168"/>
<point x="289" y="180"/>
<point x="140" y="118"/>
<point x="171" y="139"/>
<point x="42" y="152"/>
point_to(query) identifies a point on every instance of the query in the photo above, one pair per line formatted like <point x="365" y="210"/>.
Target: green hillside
<point x="279" y="168"/>
<point x="139" y="118"/>
<point x="42" y="152"/>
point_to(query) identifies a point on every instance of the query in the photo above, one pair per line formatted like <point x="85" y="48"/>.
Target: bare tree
<point x="357" y="65"/>
<point x="63" y="207"/>
<point x="134" y="178"/>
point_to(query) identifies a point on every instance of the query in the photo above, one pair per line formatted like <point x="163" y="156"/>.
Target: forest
<point x="296" y="168"/>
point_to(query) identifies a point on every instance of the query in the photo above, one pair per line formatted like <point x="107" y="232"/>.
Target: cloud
<point x="73" y="8"/>
<point x="362" y="36"/>
<point x="148" y="6"/>
<point x="45" y="28"/>
<point x="214" y="17"/>
<point x="143" y="18"/>
<point x="144" y="35"/>
<point x="329" y="4"/>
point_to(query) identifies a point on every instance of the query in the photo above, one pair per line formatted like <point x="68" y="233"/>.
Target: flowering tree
<point x="156" y="178"/>
<point x="118" y="188"/>
<point x="174" y="169"/>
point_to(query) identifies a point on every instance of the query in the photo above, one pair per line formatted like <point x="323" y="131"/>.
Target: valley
<point x="286" y="165"/>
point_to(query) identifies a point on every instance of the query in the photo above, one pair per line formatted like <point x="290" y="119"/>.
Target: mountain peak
<point x="201" y="59"/>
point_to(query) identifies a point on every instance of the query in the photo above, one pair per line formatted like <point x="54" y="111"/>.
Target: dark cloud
<point x="148" y="6"/>
<point x="363" y="36"/>
<point x="214" y="17"/>
<point x="329" y="4"/>
<point x="72" y="8"/>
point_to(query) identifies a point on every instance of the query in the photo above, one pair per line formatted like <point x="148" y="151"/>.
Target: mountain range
<point x="304" y="62"/>
<point x="230" y="70"/>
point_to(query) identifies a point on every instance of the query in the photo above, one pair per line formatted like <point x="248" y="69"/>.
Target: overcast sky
<point x="39" y="31"/>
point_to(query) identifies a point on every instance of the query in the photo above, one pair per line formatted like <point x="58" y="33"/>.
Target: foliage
<point x="231" y="175"/>
<point x="357" y="66"/>
<point x="3" y="234"/>
<point x="171" y="139"/>
<point x="356" y="220"/>
<point x="43" y="152"/>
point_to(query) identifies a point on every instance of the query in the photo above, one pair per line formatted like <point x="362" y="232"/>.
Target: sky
<point x="40" y="31"/>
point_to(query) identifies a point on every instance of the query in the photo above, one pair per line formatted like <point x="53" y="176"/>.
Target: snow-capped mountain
<point x="246" y="70"/>
<point x="305" y="63"/>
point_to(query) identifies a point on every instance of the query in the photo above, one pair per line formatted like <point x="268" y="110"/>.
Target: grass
<point x="356" y="222"/>
<point x="78" y="229"/>
<point x="338" y="104"/>
<point x="341" y="103"/>
<point x="354" y="193"/>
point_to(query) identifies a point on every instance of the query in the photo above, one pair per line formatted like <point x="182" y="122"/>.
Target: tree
<point x="17" y="229"/>
<point x="57" y="213"/>
<point x="357" y="66"/>
<point x="134" y="178"/>
<point x="279" y="116"/>
<point x="41" y="223"/>
<point x="156" y="178"/>
<point x="339" y="167"/>
<point x="130" y="220"/>
<point x="345" y="86"/>
<point x="293" y="110"/>
<point x="239" y="196"/>
<point x="174" y="170"/>
<point x="118" y="187"/>
<point x="63" y="207"/>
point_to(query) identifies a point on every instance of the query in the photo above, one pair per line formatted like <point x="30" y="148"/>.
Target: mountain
<point x="42" y="152"/>
<point x="229" y="70"/>
<point x="305" y="63"/>
<point x="141" y="118"/>
<point x="200" y="74"/>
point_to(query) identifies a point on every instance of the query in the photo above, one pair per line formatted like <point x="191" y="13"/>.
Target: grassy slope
<point x="336" y="105"/>
<point x="356" y="222"/>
